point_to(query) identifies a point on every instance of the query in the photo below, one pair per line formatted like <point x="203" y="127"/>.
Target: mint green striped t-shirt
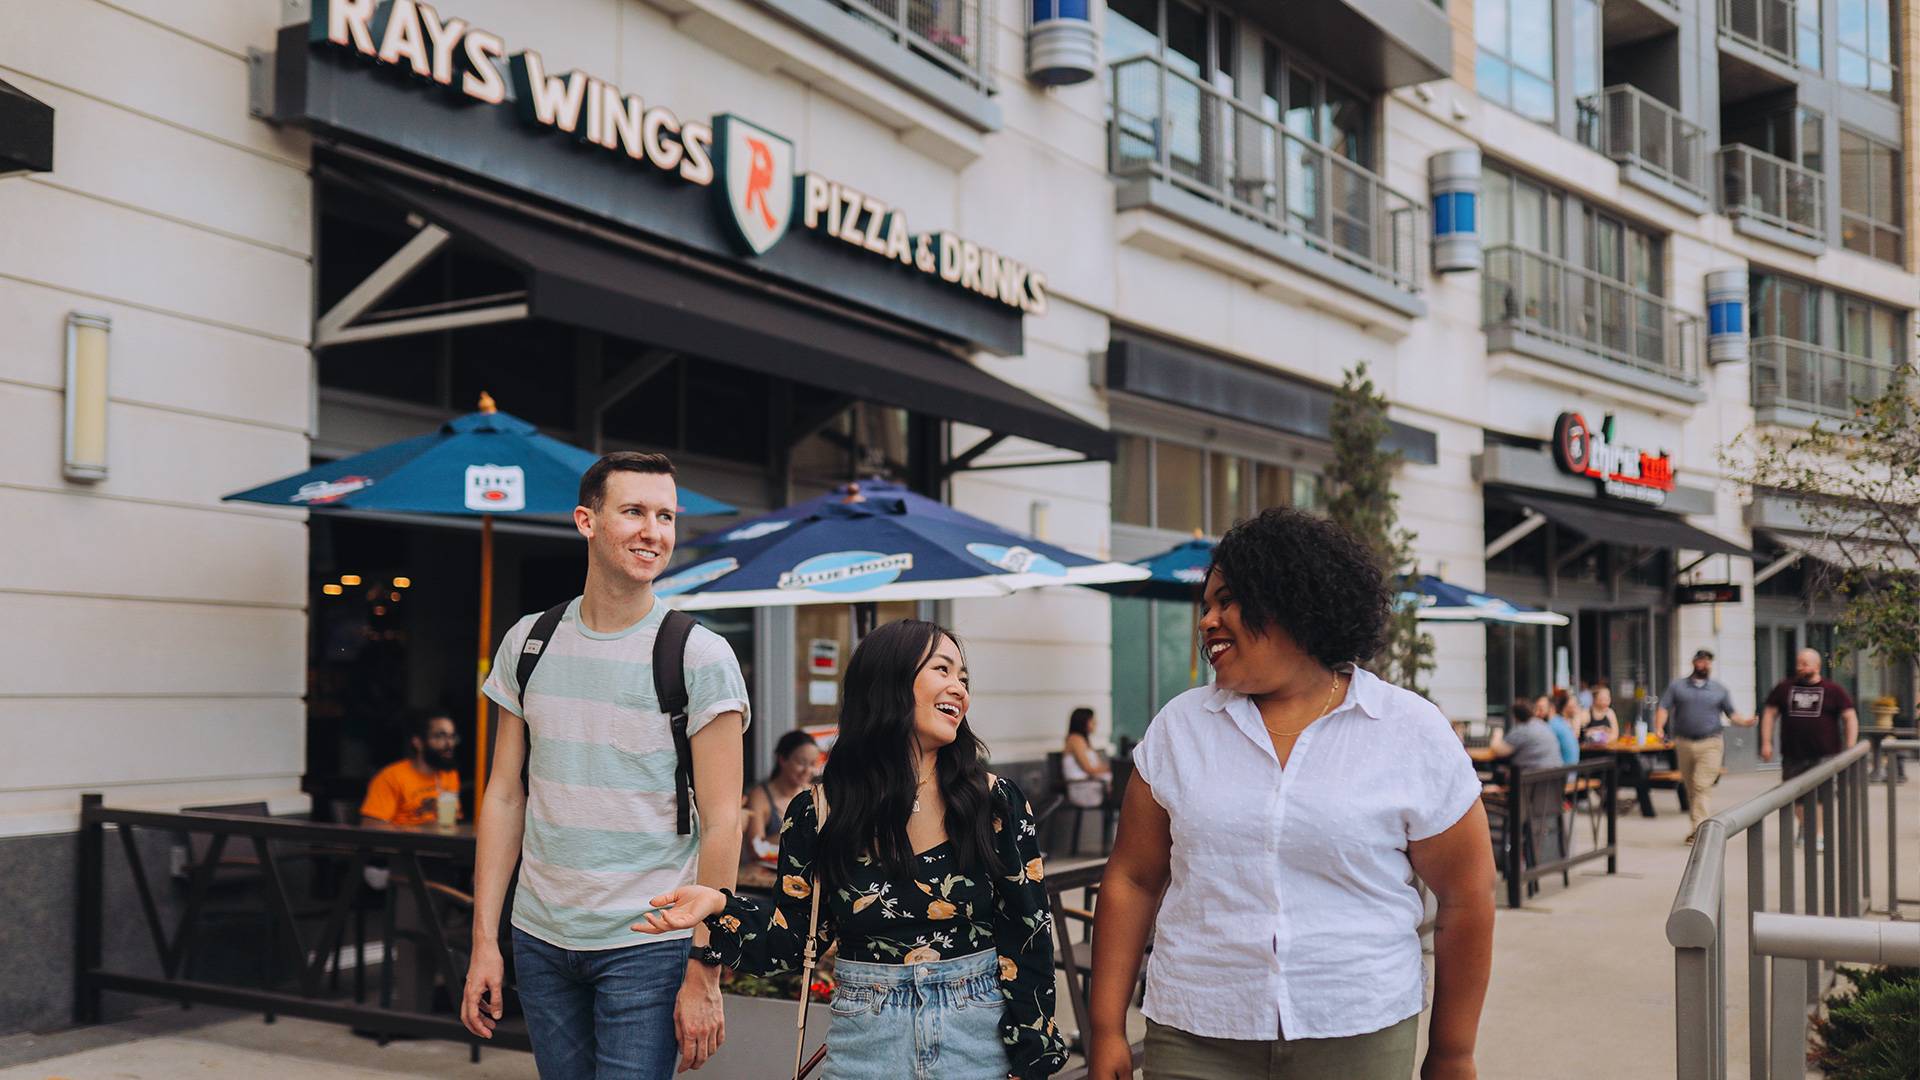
<point x="600" y="836"/>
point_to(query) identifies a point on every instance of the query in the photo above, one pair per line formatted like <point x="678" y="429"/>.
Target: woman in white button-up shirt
<point x="1284" y="811"/>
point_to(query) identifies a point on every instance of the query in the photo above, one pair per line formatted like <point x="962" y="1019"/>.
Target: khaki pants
<point x="1699" y="771"/>
<point x="1387" y="1054"/>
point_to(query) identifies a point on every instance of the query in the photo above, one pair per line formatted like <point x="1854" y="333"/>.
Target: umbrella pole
<point x="486" y="640"/>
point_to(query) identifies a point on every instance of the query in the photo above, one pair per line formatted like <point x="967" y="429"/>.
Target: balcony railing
<point x="949" y="33"/>
<point x="1770" y="189"/>
<point x="1550" y="298"/>
<point x="1767" y="25"/>
<point x="1797" y="375"/>
<point x="1174" y="128"/>
<point x="1632" y="127"/>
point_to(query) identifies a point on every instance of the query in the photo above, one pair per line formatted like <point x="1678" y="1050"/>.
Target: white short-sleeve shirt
<point x="1290" y="906"/>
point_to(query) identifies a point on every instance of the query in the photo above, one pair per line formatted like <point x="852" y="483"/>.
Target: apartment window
<point x="1587" y="47"/>
<point x="1806" y="33"/>
<point x="1869" y="196"/>
<point x="1514" y="63"/>
<point x="1866" y="45"/>
<point x="1170" y="485"/>
<point x="1819" y="350"/>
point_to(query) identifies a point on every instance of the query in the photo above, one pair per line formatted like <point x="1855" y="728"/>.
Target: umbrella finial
<point x="486" y="403"/>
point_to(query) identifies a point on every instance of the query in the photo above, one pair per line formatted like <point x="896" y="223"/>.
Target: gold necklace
<point x="1296" y="733"/>
<point x="916" y="790"/>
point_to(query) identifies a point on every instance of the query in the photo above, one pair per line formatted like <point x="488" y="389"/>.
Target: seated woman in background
<point x="1603" y="725"/>
<point x="794" y="759"/>
<point x="1086" y="773"/>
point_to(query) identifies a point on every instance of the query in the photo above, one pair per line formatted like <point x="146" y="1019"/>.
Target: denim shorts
<point x="601" y="1015"/>
<point x="933" y="1021"/>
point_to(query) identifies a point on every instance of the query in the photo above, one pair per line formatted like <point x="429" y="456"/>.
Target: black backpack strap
<point x="670" y="687"/>
<point x="530" y="653"/>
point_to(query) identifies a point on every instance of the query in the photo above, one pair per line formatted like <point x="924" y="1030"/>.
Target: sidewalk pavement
<point x="1582" y="986"/>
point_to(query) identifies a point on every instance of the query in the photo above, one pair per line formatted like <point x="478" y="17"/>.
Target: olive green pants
<point x="1387" y="1054"/>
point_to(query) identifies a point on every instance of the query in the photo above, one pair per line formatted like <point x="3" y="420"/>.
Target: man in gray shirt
<point x="1696" y="704"/>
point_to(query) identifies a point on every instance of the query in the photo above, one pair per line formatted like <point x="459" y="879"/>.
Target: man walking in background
<point x="1697" y="704"/>
<point x="1817" y="720"/>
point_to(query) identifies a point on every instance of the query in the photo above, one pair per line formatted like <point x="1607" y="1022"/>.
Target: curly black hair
<point x="1319" y="583"/>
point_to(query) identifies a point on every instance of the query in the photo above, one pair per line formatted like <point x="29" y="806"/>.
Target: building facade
<point x="1090" y="270"/>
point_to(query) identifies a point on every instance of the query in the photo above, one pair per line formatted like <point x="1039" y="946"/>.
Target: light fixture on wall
<point x="86" y="420"/>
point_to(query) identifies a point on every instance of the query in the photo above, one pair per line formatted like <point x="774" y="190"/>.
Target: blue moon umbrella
<point x="485" y="463"/>
<point x="1439" y="601"/>
<point x="857" y="548"/>
<point x="1176" y="574"/>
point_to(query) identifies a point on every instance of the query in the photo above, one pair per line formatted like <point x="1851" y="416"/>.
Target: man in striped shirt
<point x="594" y="827"/>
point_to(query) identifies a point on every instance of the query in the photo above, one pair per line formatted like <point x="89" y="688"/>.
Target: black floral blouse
<point x="938" y="914"/>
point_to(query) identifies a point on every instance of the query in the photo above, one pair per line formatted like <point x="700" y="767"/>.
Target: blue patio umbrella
<point x="857" y="548"/>
<point x="1176" y="574"/>
<point x="486" y="463"/>
<point x="1439" y="601"/>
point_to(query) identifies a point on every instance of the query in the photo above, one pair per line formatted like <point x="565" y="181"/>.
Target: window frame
<point x="1874" y="225"/>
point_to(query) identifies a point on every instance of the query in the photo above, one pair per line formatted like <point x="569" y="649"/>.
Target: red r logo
<point x="759" y="182"/>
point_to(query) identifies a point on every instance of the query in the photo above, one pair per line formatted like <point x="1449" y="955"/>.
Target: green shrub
<point x="1871" y="1032"/>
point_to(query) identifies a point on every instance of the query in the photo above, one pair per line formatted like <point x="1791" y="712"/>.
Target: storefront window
<point x="1132" y="467"/>
<point x="1516" y="665"/>
<point x="1273" y="486"/>
<point x="1178" y="487"/>
<point x="1154" y="660"/>
<point x="1228" y="486"/>
<point x="827" y="629"/>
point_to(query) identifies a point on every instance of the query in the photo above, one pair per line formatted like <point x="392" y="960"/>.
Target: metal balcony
<point x="1544" y="297"/>
<point x="1772" y="191"/>
<point x="1633" y="128"/>
<point x="1170" y="127"/>
<point x="950" y="33"/>
<point x="1796" y="375"/>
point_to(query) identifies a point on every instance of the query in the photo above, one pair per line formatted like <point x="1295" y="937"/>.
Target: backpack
<point x="669" y="687"/>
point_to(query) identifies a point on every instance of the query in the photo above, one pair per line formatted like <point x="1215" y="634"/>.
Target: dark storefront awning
<point x="26" y="132"/>
<point x="1624" y="525"/>
<point x="1170" y="372"/>
<point x="577" y="279"/>
<point x="1851" y="553"/>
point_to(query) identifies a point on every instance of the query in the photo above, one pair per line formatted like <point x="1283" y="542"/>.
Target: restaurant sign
<point x="757" y="193"/>
<point x="1622" y="471"/>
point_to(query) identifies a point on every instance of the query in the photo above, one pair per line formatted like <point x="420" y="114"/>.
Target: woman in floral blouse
<point x="933" y="884"/>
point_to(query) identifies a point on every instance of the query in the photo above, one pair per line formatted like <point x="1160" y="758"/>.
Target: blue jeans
<point x="935" y="1021"/>
<point x="601" y="1015"/>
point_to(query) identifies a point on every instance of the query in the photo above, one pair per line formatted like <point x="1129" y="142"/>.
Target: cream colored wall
<point x="155" y="637"/>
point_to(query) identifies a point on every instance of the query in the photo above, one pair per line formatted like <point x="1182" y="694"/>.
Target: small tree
<point x="1857" y="484"/>
<point x="1363" y="500"/>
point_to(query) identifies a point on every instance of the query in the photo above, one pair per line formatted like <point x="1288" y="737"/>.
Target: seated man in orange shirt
<point x="407" y="792"/>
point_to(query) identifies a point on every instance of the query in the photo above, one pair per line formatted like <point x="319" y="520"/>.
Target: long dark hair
<point x="1079" y="721"/>
<point x="869" y="777"/>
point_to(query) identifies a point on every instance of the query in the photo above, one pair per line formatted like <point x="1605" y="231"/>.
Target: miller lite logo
<point x="756" y="173"/>
<point x="494" y="489"/>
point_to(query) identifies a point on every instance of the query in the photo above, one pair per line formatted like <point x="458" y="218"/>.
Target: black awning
<point x="1166" y="371"/>
<point x="576" y="278"/>
<point x="1624" y="524"/>
<point x="26" y="132"/>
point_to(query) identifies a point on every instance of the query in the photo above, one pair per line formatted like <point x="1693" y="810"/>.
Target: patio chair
<point x="1075" y="958"/>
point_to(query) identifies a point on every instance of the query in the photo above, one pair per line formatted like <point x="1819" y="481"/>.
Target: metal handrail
<point x="1171" y="126"/>
<point x="1631" y="126"/>
<point x="1890" y="771"/>
<point x="1549" y="297"/>
<point x="1813" y="377"/>
<point x="950" y="33"/>
<point x="1756" y="184"/>
<point x="1771" y="26"/>
<point x="1833" y="791"/>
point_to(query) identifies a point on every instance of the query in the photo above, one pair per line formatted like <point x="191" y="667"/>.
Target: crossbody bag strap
<point x="808" y="952"/>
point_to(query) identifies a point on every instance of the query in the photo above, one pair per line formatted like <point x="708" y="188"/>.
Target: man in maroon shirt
<point x="1817" y="720"/>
